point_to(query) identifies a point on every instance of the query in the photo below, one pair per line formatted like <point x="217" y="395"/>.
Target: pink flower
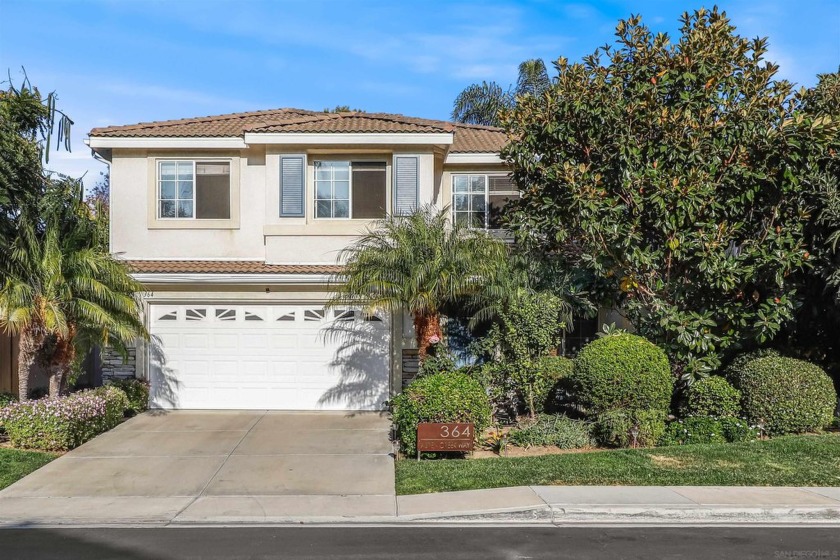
<point x="434" y="339"/>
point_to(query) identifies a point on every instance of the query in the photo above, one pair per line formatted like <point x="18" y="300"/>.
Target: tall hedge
<point x="622" y="371"/>
<point x="784" y="394"/>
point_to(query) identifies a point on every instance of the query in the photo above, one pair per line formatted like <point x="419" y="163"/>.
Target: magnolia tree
<point x="669" y="172"/>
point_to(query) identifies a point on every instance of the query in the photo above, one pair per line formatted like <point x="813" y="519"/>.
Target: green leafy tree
<point x="28" y="124"/>
<point x="483" y="103"/>
<point x="418" y="263"/>
<point x="528" y="326"/>
<point x="60" y="290"/>
<point x="669" y="173"/>
<point x="813" y="335"/>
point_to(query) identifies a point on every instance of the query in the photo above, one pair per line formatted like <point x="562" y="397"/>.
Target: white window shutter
<point x="292" y="185"/>
<point x="406" y="184"/>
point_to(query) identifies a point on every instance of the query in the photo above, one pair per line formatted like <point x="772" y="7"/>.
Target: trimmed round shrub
<point x="557" y="430"/>
<point x="136" y="391"/>
<point x="622" y="371"/>
<point x="784" y="394"/>
<point x="733" y="370"/>
<point x="616" y="428"/>
<point x="707" y="429"/>
<point x="713" y="396"/>
<point x="442" y="397"/>
<point x="551" y="371"/>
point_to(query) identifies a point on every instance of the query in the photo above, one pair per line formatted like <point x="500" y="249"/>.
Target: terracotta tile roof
<point x="355" y="122"/>
<point x="227" y="267"/>
<point x="212" y="126"/>
<point x="467" y="138"/>
<point x="478" y="139"/>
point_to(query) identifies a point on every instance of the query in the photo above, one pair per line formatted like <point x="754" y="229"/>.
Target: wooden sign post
<point x="445" y="437"/>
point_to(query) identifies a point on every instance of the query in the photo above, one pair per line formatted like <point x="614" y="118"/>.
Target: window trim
<point x="153" y="221"/>
<point x="194" y="162"/>
<point x="486" y="195"/>
<point x="350" y="162"/>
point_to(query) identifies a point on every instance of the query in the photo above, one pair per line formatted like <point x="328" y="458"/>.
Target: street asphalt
<point x="440" y="542"/>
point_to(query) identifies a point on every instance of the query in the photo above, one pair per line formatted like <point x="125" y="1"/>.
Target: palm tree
<point x="63" y="291"/>
<point x="481" y="103"/>
<point x="418" y="263"/>
<point x="533" y="78"/>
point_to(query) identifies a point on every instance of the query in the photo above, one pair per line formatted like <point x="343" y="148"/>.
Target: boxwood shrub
<point x="441" y="397"/>
<point x="615" y="428"/>
<point x="622" y="371"/>
<point x="713" y="396"/>
<point x="59" y="424"/>
<point x="785" y="394"/>
<point x="136" y="391"/>
<point x="557" y="430"/>
<point x="707" y="429"/>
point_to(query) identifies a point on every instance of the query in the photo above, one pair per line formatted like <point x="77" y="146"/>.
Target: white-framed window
<point x="193" y="189"/>
<point x="478" y="199"/>
<point x="350" y="189"/>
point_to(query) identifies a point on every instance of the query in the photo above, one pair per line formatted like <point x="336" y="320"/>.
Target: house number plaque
<point x="445" y="437"/>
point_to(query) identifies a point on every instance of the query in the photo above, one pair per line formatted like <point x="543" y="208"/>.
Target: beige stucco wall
<point x="255" y="230"/>
<point x="136" y="234"/>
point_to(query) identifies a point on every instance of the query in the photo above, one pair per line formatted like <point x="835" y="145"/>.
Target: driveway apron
<point x="216" y="466"/>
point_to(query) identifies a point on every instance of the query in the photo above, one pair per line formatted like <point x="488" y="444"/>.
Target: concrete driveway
<point x="195" y="467"/>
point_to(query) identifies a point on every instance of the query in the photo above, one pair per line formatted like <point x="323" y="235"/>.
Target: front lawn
<point x="782" y="461"/>
<point x="16" y="463"/>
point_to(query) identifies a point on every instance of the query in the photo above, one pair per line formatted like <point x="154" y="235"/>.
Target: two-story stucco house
<point x="234" y="224"/>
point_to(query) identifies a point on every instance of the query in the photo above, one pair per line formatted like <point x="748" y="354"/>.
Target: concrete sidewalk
<point x="550" y="505"/>
<point x="627" y="504"/>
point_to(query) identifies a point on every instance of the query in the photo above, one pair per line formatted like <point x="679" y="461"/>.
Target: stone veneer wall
<point x="410" y="365"/>
<point x="115" y="367"/>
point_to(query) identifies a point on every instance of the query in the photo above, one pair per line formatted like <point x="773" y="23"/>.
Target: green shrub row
<point x="623" y="385"/>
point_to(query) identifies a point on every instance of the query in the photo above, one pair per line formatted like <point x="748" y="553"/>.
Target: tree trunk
<point x="60" y="364"/>
<point x="55" y="381"/>
<point x="426" y="326"/>
<point x="29" y="344"/>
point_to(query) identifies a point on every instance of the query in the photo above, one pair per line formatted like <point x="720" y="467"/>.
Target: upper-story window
<point x="350" y="189"/>
<point x="478" y="199"/>
<point x="194" y="189"/>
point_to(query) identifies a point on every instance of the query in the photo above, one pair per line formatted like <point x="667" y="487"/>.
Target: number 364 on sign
<point x="445" y="437"/>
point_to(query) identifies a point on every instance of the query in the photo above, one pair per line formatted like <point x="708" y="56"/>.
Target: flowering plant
<point x="57" y="424"/>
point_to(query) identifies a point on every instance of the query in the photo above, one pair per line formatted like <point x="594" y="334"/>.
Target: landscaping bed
<point x="805" y="460"/>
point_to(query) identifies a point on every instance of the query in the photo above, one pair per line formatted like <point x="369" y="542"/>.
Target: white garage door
<point x="283" y="357"/>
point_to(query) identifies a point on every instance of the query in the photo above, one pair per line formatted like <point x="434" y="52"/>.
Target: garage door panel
<point x="267" y="357"/>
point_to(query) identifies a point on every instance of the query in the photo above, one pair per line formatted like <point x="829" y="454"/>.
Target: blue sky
<point x="120" y="62"/>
